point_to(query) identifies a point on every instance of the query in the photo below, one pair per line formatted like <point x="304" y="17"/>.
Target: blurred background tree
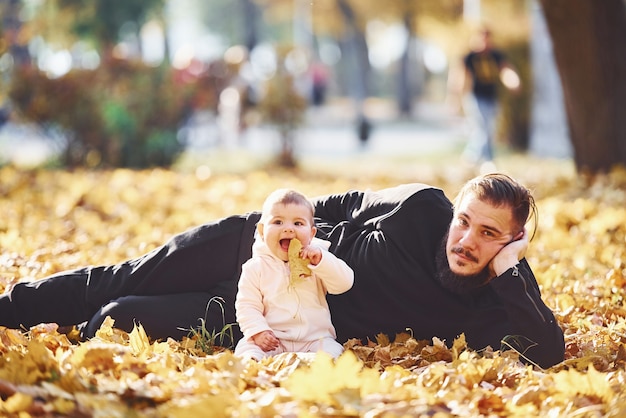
<point x="354" y="38"/>
<point x="590" y="50"/>
<point x="283" y="106"/>
<point x="398" y="51"/>
<point x="115" y="108"/>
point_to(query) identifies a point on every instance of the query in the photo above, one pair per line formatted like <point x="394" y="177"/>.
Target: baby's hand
<point x="266" y="340"/>
<point x="312" y="253"/>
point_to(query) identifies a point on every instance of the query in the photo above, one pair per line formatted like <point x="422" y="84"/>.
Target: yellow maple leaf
<point x="12" y="337"/>
<point x="592" y="383"/>
<point x="382" y="339"/>
<point x="458" y="346"/>
<point x="206" y="405"/>
<point x="63" y="406"/>
<point x="326" y="380"/>
<point x="97" y="356"/>
<point x="17" y="403"/>
<point x="138" y="340"/>
<point x="108" y="333"/>
<point x="32" y="364"/>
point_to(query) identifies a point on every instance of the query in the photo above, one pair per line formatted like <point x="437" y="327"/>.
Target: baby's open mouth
<point x="284" y="244"/>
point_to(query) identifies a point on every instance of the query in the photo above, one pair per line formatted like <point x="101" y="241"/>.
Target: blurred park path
<point x="25" y="145"/>
<point x="429" y="143"/>
<point x="329" y="133"/>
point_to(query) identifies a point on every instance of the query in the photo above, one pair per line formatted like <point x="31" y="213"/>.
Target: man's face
<point x="477" y="233"/>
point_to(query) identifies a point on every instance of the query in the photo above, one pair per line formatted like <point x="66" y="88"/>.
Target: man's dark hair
<point x="501" y="190"/>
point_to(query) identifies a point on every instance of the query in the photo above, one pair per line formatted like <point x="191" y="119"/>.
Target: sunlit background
<point x="385" y="70"/>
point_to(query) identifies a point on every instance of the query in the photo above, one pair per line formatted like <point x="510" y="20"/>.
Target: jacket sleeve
<point x="336" y="208"/>
<point x="535" y="332"/>
<point x="334" y="273"/>
<point x="249" y="302"/>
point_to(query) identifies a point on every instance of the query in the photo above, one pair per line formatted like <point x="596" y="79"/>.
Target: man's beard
<point x="457" y="283"/>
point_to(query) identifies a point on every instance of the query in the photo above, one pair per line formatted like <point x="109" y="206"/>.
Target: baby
<point x="276" y="312"/>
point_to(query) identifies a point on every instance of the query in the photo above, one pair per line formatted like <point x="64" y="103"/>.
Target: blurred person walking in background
<point x="476" y="87"/>
<point x="319" y="83"/>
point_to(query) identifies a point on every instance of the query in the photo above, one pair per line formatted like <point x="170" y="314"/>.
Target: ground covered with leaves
<point x="56" y="220"/>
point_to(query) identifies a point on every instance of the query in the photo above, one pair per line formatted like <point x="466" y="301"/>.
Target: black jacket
<point x="390" y="238"/>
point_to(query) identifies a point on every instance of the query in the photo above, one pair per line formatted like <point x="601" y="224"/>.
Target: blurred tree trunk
<point x="355" y="38"/>
<point x="514" y="121"/>
<point x="405" y="90"/>
<point x="13" y="41"/>
<point x="251" y="27"/>
<point x="589" y="39"/>
<point x="359" y="66"/>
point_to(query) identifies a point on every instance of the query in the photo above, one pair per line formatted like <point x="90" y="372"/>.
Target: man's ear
<point x="519" y="236"/>
<point x="259" y="228"/>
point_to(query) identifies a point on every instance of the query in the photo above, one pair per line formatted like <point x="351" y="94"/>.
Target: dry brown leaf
<point x="298" y="266"/>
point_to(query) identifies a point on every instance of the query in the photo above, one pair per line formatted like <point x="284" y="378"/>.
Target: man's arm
<point x="535" y="332"/>
<point x="335" y="208"/>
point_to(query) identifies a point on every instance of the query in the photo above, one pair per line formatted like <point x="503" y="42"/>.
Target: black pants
<point x="169" y="290"/>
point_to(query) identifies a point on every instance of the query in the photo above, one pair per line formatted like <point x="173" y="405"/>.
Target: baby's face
<point x="283" y="223"/>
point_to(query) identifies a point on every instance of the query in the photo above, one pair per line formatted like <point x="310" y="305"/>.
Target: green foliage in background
<point x="122" y="114"/>
<point x="101" y="20"/>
